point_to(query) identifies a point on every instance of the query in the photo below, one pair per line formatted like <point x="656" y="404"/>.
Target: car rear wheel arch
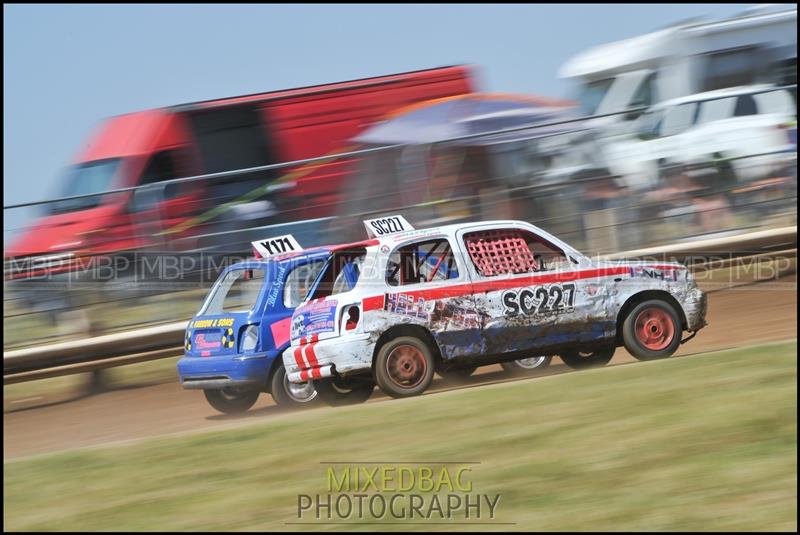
<point x="641" y="297"/>
<point x="277" y="362"/>
<point x="416" y="331"/>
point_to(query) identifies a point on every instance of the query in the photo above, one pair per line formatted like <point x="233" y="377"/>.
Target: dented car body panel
<point x="482" y="292"/>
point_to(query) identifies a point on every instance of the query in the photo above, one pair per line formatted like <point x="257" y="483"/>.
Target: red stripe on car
<point x="460" y="290"/>
<point x="311" y="357"/>
<point x="298" y="357"/>
<point x="372" y="303"/>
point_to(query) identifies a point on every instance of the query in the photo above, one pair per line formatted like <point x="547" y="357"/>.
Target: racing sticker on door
<point x="314" y="318"/>
<point x="539" y="300"/>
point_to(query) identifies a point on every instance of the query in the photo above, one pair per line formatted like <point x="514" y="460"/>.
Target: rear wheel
<point x="404" y="367"/>
<point x="652" y="330"/>
<point x="338" y="392"/>
<point x="232" y="400"/>
<point x="580" y="360"/>
<point x="528" y="365"/>
<point x="288" y="394"/>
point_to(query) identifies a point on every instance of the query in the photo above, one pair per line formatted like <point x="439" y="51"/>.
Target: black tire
<point x="232" y="400"/>
<point x="287" y="394"/>
<point x="527" y="366"/>
<point x="456" y="373"/>
<point x="404" y="367"/>
<point x="581" y="360"/>
<point x="658" y="320"/>
<point x="338" y="392"/>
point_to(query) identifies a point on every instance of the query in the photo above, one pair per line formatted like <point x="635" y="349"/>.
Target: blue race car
<point x="233" y="344"/>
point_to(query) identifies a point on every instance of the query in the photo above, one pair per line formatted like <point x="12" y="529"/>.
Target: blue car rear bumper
<point x="224" y="371"/>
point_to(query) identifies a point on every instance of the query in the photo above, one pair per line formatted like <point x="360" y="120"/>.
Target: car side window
<point x="644" y="94"/>
<point x="421" y="262"/>
<point x="776" y="102"/>
<point x="236" y="291"/>
<point x="648" y="124"/>
<point x="716" y="110"/>
<point x="299" y="282"/>
<point x="512" y="251"/>
<point x="678" y="119"/>
<point x="745" y="105"/>
<point x="164" y="165"/>
<point x="340" y="274"/>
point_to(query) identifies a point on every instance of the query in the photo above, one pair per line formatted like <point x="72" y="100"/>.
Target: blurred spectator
<point x="713" y="211"/>
<point x="671" y="199"/>
<point x="602" y="193"/>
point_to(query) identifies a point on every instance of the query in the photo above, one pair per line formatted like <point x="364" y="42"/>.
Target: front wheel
<point x="232" y="400"/>
<point x="528" y="365"/>
<point x="338" y="392"/>
<point x="652" y="330"/>
<point x="404" y="367"/>
<point x="288" y="394"/>
<point x="580" y="360"/>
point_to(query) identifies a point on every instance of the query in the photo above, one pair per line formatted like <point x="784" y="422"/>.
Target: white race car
<point x="393" y="309"/>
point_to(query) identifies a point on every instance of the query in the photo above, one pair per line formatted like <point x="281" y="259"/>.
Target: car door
<point x="530" y="292"/>
<point x="428" y="285"/>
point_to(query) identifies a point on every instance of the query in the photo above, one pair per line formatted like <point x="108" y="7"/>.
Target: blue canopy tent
<point x="461" y="157"/>
<point x="476" y="115"/>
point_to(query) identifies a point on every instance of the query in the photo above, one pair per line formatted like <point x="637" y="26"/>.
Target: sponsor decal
<point x="219" y="322"/>
<point x="298" y="322"/>
<point x="652" y="273"/>
<point x="407" y="305"/>
<point x="207" y="341"/>
<point x="275" y="288"/>
<point x="539" y="300"/>
<point x="436" y="312"/>
<point x="315" y="318"/>
<point x="461" y="317"/>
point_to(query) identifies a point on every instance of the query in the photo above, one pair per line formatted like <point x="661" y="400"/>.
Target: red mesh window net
<point x="496" y="252"/>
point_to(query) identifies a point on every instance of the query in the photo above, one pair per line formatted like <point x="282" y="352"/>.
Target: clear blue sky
<point x="67" y="67"/>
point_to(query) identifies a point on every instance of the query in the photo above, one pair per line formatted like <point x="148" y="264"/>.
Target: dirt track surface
<point x="737" y="317"/>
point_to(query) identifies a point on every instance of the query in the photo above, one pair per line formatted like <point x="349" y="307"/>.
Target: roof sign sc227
<point x="383" y="226"/>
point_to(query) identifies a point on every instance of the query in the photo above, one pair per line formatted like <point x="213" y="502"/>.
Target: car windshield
<point x="236" y="291"/>
<point x="84" y="179"/>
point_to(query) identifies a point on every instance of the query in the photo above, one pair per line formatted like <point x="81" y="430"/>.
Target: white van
<point x="759" y="46"/>
<point x="747" y="128"/>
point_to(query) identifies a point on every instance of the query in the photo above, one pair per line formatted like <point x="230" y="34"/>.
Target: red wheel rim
<point x="406" y="366"/>
<point x="654" y="328"/>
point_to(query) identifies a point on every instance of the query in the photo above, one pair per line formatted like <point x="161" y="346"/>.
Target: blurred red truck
<point x="217" y="136"/>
